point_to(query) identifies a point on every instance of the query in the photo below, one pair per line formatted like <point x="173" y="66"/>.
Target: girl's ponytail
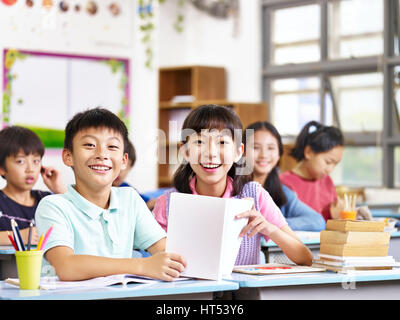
<point x="318" y="137"/>
<point x="182" y="177"/>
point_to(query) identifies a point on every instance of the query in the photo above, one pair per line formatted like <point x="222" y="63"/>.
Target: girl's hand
<point x="256" y="223"/>
<point x="52" y="179"/>
<point x="336" y="207"/>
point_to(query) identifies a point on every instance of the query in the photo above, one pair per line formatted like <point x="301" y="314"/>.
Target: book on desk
<point x="275" y="268"/>
<point x="51" y="283"/>
<point x="354" y="245"/>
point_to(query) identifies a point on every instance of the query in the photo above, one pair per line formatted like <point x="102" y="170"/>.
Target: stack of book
<point x="354" y="245"/>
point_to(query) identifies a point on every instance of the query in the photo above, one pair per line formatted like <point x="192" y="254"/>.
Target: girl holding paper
<point x="211" y="147"/>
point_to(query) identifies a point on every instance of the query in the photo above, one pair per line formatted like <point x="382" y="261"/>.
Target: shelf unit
<point x="192" y="86"/>
<point x="287" y="162"/>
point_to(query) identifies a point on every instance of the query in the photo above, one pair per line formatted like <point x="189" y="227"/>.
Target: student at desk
<point x="318" y="149"/>
<point x="263" y="145"/>
<point x="211" y="150"/>
<point x="21" y="152"/>
<point x="96" y="225"/>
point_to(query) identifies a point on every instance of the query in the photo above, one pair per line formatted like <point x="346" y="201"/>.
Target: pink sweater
<point x="318" y="194"/>
<point x="267" y="206"/>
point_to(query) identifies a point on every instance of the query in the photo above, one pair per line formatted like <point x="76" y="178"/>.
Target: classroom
<point x="306" y="94"/>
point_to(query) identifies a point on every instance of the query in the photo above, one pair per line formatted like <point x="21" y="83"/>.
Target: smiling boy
<point x="94" y="224"/>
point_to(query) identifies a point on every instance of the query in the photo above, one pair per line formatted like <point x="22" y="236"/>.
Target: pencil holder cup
<point x="29" y="265"/>
<point x="349" y="215"/>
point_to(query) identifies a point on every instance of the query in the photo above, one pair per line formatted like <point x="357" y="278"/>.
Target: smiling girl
<point x="264" y="152"/>
<point x="211" y="149"/>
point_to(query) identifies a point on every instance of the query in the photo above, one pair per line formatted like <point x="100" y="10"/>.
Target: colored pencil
<point x="46" y="237"/>
<point x="12" y="241"/>
<point x="40" y="243"/>
<point x="17" y="236"/>
<point x="30" y="236"/>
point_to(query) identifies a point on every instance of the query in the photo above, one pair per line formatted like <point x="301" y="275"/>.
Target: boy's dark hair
<point x="320" y="138"/>
<point x="15" y="138"/>
<point x="210" y="117"/>
<point x="130" y="150"/>
<point x="94" y="118"/>
<point x="272" y="184"/>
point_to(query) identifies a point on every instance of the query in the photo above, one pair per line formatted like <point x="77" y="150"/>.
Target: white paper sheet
<point x="204" y="231"/>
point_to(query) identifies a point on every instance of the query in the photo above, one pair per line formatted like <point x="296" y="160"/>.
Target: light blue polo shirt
<point x="91" y="230"/>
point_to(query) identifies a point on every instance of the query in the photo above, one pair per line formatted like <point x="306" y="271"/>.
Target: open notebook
<point x="51" y="283"/>
<point x="205" y="232"/>
<point x="275" y="268"/>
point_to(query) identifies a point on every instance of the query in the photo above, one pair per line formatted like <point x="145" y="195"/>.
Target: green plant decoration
<point x="11" y="56"/>
<point x="145" y="11"/>
<point x="119" y="67"/>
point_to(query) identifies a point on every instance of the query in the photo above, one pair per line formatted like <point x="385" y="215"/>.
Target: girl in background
<point x="211" y="150"/>
<point x="318" y="149"/>
<point x="264" y="152"/>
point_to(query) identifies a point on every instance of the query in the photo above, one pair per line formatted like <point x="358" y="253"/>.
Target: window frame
<point x="389" y="137"/>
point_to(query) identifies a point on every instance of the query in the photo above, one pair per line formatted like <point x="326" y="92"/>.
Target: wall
<point x="39" y="29"/>
<point x="210" y="41"/>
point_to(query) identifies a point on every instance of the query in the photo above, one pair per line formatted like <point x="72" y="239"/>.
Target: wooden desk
<point x="181" y="290"/>
<point x="320" y="286"/>
<point x="8" y="265"/>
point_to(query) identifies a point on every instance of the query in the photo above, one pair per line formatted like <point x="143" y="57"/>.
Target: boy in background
<point x="120" y="180"/>
<point x="21" y="152"/>
<point x="95" y="225"/>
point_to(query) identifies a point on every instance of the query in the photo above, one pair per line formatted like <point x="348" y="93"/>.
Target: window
<point x="355" y="28"/>
<point x="359" y="166"/>
<point x="296" y="102"/>
<point x="396" y="26"/>
<point x="296" y="35"/>
<point x="397" y="166"/>
<point x="359" y="101"/>
<point x="396" y="90"/>
<point x="338" y="62"/>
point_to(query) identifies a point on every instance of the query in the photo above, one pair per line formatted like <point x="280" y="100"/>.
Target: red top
<point x="318" y="194"/>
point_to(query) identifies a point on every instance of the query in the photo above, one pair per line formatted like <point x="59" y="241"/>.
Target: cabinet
<point x="182" y="89"/>
<point x="287" y="162"/>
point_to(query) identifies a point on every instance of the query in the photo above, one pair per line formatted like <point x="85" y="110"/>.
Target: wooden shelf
<point x="194" y="104"/>
<point x="205" y="85"/>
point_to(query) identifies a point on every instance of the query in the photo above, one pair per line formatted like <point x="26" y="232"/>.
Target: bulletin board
<point x="43" y="91"/>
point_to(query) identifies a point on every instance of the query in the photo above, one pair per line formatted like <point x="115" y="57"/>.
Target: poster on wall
<point x="42" y="91"/>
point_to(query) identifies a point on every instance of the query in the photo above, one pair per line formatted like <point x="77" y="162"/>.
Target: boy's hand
<point x="34" y="236"/>
<point x="164" y="265"/>
<point x="52" y="179"/>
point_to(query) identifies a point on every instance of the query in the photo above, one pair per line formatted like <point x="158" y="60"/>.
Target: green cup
<point x="29" y="265"/>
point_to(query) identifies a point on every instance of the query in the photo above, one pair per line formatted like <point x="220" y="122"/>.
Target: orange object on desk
<point x="350" y="215"/>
